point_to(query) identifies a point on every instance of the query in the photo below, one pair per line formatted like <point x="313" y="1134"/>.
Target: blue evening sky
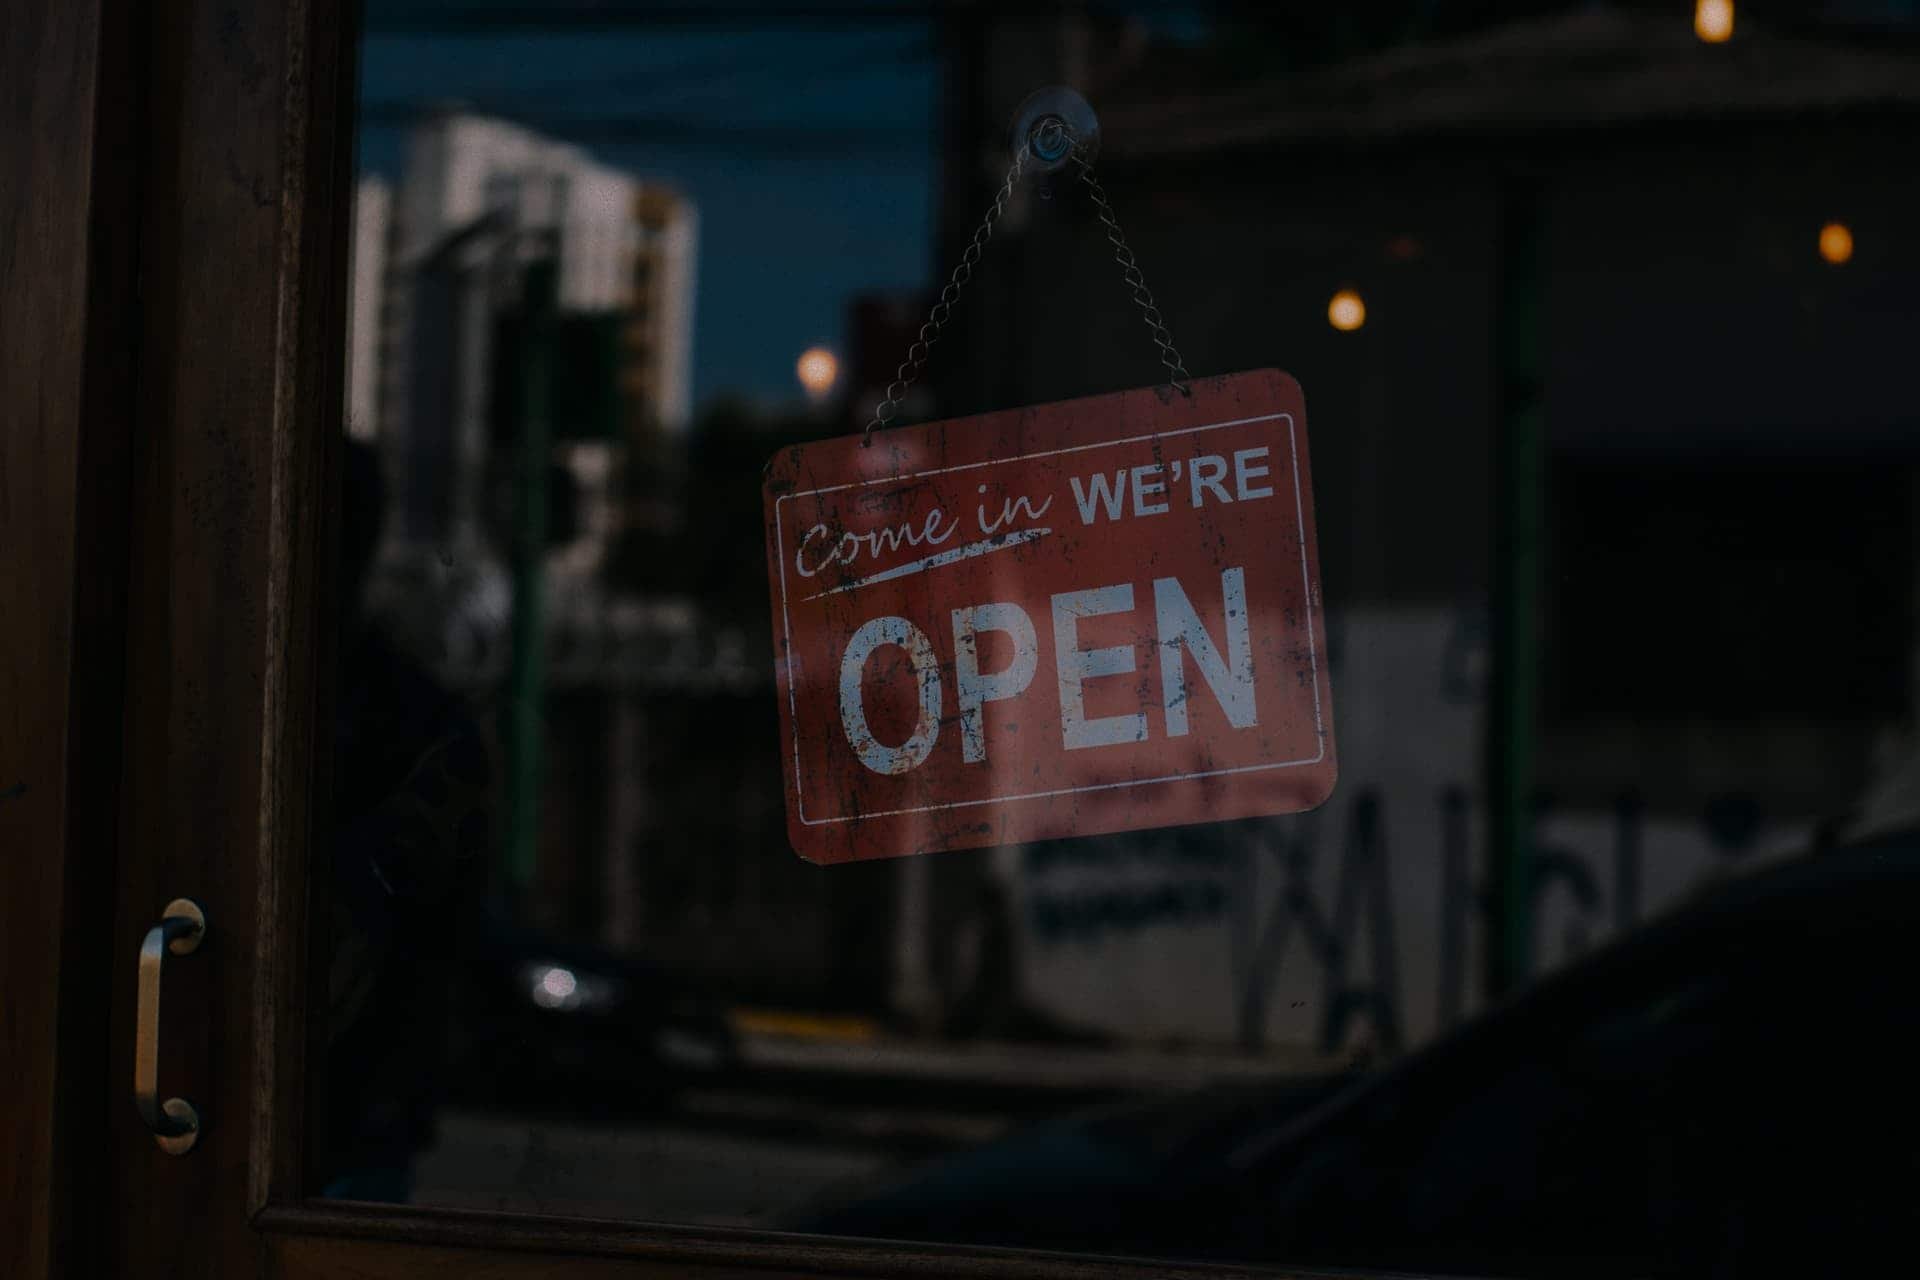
<point x="810" y="153"/>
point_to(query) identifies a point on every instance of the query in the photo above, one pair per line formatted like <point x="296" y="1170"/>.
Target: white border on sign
<point x="1306" y="591"/>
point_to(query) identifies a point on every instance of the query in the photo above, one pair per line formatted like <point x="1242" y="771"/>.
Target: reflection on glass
<point x="818" y="369"/>
<point x="1836" y="243"/>
<point x="1713" y="20"/>
<point x="1346" y="312"/>
<point x="576" y="969"/>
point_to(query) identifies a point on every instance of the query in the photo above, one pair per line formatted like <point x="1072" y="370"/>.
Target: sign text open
<point x="1090" y="616"/>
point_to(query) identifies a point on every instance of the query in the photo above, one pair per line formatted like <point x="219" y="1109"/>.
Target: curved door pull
<point x="175" y="1124"/>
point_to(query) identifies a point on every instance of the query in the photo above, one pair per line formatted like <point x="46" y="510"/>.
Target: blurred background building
<point x="1590" y="372"/>
<point x="1614" y="452"/>
<point x="1602" y="313"/>
<point x="446" y="266"/>
<point x="432" y="271"/>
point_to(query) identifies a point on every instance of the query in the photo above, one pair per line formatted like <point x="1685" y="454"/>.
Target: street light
<point x="1713" y="20"/>
<point x="1836" y="242"/>
<point x="1346" y="312"/>
<point x="818" y="369"/>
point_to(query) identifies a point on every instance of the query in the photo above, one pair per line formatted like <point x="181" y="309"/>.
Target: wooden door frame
<point x="243" y="128"/>
<point x="66" y="282"/>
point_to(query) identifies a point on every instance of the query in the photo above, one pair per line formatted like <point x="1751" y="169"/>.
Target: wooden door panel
<point x="239" y="337"/>
<point x="65" y="276"/>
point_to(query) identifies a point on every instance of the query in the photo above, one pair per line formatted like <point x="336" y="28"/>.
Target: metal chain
<point x="909" y="371"/>
<point x="1177" y="375"/>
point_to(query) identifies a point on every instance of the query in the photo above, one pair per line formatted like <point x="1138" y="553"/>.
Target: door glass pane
<point x="1604" y="329"/>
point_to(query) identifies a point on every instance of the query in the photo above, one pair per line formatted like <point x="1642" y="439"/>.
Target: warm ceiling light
<point x="1836" y="243"/>
<point x="1346" y="312"/>
<point x="817" y="369"/>
<point x="1713" y="20"/>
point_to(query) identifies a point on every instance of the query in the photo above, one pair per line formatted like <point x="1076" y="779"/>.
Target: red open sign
<point x="1097" y="615"/>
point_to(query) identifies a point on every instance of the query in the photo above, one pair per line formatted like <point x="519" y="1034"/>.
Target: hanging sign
<point x="1092" y="616"/>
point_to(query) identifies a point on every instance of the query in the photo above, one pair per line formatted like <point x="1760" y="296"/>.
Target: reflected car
<point x="1729" y="1090"/>
<point x="543" y="1023"/>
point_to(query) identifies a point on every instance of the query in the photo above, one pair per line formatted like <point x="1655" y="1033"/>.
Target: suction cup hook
<point x="1050" y="124"/>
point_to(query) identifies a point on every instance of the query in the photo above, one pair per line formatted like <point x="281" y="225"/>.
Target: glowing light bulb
<point x="1836" y="242"/>
<point x="1713" y="20"/>
<point x="1346" y="312"/>
<point x="554" y="986"/>
<point x="818" y="369"/>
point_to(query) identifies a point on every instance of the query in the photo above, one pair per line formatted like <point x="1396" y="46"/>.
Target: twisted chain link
<point x="1177" y="375"/>
<point x="909" y="371"/>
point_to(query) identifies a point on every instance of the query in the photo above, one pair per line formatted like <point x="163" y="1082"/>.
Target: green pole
<point x="526" y="682"/>
<point x="1519" y="478"/>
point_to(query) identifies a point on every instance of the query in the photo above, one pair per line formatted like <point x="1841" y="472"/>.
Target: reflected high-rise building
<point x="521" y="337"/>
<point x="438" y="264"/>
<point x="657" y="339"/>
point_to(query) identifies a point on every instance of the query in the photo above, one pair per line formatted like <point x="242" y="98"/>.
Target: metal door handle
<point x="175" y="1124"/>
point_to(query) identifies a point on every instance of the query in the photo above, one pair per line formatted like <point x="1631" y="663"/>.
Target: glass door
<point x="463" y="339"/>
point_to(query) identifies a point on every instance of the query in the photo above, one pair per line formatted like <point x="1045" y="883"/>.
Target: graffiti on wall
<point x="1361" y="922"/>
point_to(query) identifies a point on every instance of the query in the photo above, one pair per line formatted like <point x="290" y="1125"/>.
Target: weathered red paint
<point x="1146" y="555"/>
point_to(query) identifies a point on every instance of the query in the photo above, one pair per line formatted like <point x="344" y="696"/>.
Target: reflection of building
<point x="522" y="325"/>
<point x="657" y="337"/>
<point x="437" y="261"/>
<point x="366" y="328"/>
<point x="1593" y="207"/>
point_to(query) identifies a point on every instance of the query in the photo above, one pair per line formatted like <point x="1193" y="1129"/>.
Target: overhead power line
<point x="704" y="75"/>
<point x="584" y="15"/>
